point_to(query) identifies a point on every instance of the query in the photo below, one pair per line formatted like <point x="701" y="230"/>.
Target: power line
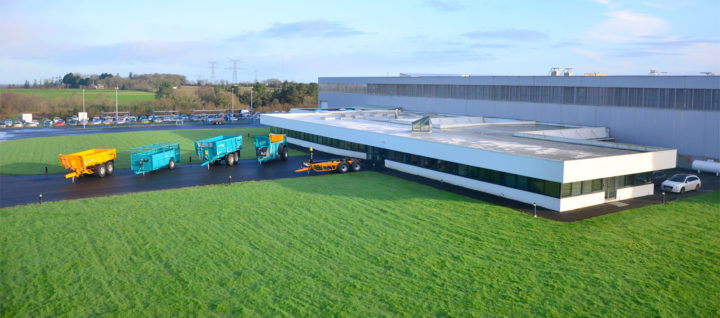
<point x="234" y="68"/>
<point x="212" y="71"/>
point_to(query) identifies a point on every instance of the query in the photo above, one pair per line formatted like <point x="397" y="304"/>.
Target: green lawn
<point x="31" y="155"/>
<point x="90" y="94"/>
<point x="359" y="244"/>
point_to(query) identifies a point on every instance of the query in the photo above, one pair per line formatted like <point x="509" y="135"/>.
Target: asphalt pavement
<point x="25" y="189"/>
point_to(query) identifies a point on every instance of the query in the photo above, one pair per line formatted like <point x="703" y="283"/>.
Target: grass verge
<point x="31" y="155"/>
<point x="361" y="244"/>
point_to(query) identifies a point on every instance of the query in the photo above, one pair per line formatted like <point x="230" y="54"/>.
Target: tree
<point x="27" y="84"/>
<point x="164" y="91"/>
<point x="71" y="80"/>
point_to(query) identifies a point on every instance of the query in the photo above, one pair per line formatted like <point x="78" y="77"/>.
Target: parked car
<point x="47" y="122"/>
<point x="107" y="121"/>
<point x="8" y="122"/>
<point x="18" y="124"/>
<point x="96" y="121"/>
<point x="72" y="122"/>
<point x="658" y="177"/>
<point x="681" y="182"/>
<point x="60" y="123"/>
<point x="56" y="119"/>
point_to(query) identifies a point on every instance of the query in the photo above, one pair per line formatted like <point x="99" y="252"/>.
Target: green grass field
<point x="90" y="94"/>
<point x="360" y="244"/>
<point x="31" y="155"/>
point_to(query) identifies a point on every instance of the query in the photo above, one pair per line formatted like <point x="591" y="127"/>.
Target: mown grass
<point x="360" y="244"/>
<point x="124" y="96"/>
<point x="31" y="155"/>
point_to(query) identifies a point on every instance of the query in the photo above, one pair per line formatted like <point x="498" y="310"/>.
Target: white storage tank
<point x="707" y="166"/>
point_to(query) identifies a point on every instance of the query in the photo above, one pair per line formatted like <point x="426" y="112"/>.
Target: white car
<point x="681" y="182"/>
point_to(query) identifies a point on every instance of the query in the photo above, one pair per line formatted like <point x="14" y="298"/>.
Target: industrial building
<point x="559" y="167"/>
<point x="677" y="112"/>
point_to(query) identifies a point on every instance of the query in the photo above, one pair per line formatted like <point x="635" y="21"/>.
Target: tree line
<point x="171" y="93"/>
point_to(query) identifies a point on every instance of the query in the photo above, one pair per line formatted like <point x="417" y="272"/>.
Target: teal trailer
<point x="152" y="157"/>
<point x="270" y="147"/>
<point x="219" y="148"/>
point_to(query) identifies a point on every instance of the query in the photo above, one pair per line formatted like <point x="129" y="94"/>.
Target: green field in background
<point x="124" y="96"/>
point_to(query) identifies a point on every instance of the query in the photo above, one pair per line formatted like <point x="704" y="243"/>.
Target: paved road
<point x="21" y="133"/>
<point x="16" y="190"/>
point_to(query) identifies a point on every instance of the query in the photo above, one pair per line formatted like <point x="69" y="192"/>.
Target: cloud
<point x="312" y="28"/>
<point x="508" y="34"/>
<point x="444" y="5"/>
<point x="624" y="26"/>
<point x="490" y="46"/>
<point x="610" y="4"/>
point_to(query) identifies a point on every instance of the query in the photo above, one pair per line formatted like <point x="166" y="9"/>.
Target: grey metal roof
<point x="497" y="135"/>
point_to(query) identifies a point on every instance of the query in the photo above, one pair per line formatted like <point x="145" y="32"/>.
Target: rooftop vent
<point x="422" y="125"/>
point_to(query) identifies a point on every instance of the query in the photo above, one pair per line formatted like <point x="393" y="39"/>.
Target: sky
<point x="303" y="40"/>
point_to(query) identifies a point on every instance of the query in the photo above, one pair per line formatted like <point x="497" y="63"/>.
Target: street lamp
<point x="116" y="105"/>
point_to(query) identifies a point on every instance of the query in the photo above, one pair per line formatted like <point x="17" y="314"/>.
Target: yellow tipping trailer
<point x="100" y="162"/>
<point x="340" y="165"/>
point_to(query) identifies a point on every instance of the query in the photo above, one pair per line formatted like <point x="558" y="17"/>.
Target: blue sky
<point x="304" y="40"/>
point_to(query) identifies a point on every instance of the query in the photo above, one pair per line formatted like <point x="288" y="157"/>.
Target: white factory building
<point x="676" y="112"/>
<point x="557" y="166"/>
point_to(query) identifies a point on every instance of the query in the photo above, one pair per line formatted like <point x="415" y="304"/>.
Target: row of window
<point x="327" y="141"/>
<point x="676" y="98"/>
<point x="544" y="187"/>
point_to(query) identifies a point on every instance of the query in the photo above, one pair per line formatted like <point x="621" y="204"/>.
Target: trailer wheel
<point x="282" y="150"/>
<point x="343" y="167"/>
<point x="100" y="170"/>
<point x="171" y="164"/>
<point x="230" y="159"/>
<point x="355" y="166"/>
<point x="110" y="168"/>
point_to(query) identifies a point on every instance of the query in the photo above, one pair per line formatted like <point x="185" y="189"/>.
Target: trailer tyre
<point x="230" y="159"/>
<point x="355" y="166"/>
<point x="171" y="164"/>
<point x="100" y="170"/>
<point x="282" y="150"/>
<point x="110" y="168"/>
<point x="343" y="167"/>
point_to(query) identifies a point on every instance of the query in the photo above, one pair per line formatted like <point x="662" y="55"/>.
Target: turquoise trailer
<point x="152" y="157"/>
<point x="219" y="148"/>
<point x="270" y="147"/>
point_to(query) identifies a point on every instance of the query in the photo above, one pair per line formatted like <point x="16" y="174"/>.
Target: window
<point x="462" y="170"/>
<point x="586" y="186"/>
<point x="510" y="180"/>
<point x="576" y="188"/>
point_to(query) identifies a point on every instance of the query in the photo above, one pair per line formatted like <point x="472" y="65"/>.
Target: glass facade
<point x="331" y="142"/>
<point x="510" y="180"/>
<point x="675" y="98"/>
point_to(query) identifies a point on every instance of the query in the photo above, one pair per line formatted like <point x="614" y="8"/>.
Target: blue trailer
<point x="270" y="147"/>
<point x="219" y="148"/>
<point x="152" y="157"/>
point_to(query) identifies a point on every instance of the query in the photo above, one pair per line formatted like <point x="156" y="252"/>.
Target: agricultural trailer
<point x="99" y="162"/>
<point x="340" y="165"/>
<point x="219" y="148"/>
<point x="155" y="156"/>
<point x="271" y="147"/>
